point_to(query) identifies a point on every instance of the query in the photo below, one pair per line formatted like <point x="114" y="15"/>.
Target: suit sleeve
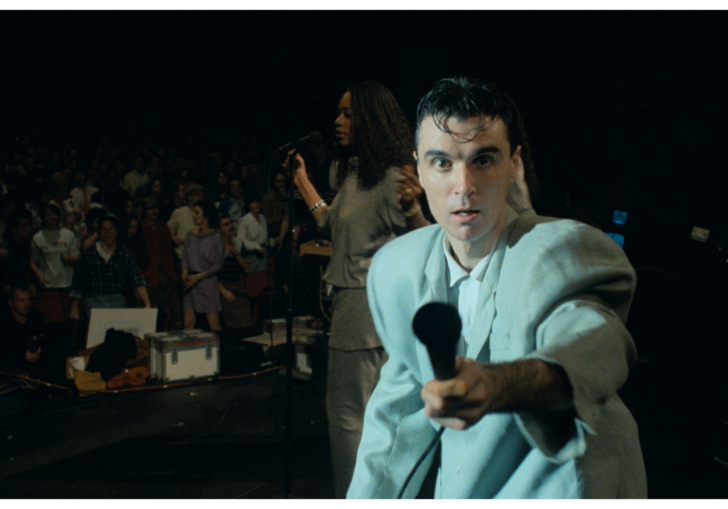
<point x="396" y="430"/>
<point x="581" y="290"/>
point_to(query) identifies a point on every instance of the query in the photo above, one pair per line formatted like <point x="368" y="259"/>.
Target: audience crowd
<point x="173" y="225"/>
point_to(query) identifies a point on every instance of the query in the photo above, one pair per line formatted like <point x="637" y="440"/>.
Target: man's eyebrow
<point x="434" y="153"/>
<point x="491" y="149"/>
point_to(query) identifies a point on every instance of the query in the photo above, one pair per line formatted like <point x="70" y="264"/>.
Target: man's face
<point x="466" y="174"/>
<point x="151" y="214"/>
<point x="21" y="302"/>
<point x="195" y="197"/>
<point x="236" y="189"/>
<point x="108" y="233"/>
<point x="51" y="218"/>
<point x="226" y="226"/>
<point x="80" y="179"/>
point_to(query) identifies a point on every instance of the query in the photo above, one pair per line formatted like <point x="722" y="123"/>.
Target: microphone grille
<point x="436" y="322"/>
<point x="315" y="137"/>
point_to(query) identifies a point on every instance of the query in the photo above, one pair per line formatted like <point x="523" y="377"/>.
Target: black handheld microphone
<point x="314" y="137"/>
<point x="437" y="326"/>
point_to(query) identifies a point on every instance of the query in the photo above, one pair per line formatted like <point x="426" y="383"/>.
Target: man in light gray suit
<point x="533" y="411"/>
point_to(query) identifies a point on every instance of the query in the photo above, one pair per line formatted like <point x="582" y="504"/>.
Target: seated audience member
<point x="70" y="214"/>
<point x="235" y="305"/>
<point x="274" y="203"/>
<point x="220" y="187"/>
<point x="83" y="191"/>
<point x="155" y="187"/>
<point x="253" y="232"/>
<point x="53" y="252"/>
<point x="102" y="272"/>
<point x="138" y="210"/>
<point x="15" y="248"/>
<point x="23" y="328"/>
<point x="164" y="288"/>
<point x="181" y="221"/>
<point x="137" y="177"/>
<point x="132" y="237"/>
<point x="172" y="199"/>
<point x="234" y="206"/>
<point x="91" y="231"/>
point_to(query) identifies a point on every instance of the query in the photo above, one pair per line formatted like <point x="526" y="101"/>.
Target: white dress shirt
<point x="463" y="289"/>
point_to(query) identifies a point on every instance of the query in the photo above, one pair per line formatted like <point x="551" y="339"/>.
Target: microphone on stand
<point x="314" y="137"/>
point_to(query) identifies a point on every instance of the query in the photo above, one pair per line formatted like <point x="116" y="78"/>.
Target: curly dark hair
<point x="464" y="98"/>
<point x="382" y="135"/>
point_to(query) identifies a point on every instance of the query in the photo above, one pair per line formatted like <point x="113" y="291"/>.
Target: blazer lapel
<point x="436" y="291"/>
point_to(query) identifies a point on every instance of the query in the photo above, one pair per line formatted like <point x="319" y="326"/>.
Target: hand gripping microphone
<point x="437" y="326"/>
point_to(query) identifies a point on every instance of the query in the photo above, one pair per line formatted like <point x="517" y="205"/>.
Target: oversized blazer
<point x="556" y="290"/>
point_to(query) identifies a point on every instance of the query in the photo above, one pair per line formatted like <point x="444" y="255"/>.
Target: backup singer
<point x="377" y="200"/>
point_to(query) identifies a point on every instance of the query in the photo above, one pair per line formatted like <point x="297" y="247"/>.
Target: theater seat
<point x="54" y="305"/>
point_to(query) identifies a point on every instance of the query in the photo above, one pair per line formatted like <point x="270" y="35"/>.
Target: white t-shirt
<point x="45" y="251"/>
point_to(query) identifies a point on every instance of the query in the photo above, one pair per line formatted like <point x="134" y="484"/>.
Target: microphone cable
<point x="432" y="445"/>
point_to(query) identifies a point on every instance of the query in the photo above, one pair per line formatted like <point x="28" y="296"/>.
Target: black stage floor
<point x="220" y="439"/>
<point x="226" y="439"/>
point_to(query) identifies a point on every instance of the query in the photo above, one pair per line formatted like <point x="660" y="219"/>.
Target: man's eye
<point x="441" y="164"/>
<point x="484" y="161"/>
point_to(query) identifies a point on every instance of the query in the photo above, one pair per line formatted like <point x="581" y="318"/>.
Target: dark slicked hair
<point x="382" y="136"/>
<point x="463" y="98"/>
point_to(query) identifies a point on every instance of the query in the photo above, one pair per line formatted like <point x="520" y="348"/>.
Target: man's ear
<point x="516" y="163"/>
<point x="417" y="165"/>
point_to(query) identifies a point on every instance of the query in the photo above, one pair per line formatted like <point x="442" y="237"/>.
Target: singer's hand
<point x="409" y="188"/>
<point x="299" y="175"/>
<point x="479" y="389"/>
<point x="462" y="401"/>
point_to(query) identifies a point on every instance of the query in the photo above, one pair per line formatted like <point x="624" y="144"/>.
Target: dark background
<point x="625" y="109"/>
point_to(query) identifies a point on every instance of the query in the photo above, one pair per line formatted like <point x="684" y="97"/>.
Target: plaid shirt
<point x="93" y="276"/>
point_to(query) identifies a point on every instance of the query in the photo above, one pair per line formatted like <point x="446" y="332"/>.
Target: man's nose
<point x="464" y="180"/>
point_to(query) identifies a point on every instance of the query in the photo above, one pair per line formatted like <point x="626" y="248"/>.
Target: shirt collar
<point x="457" y="273"/>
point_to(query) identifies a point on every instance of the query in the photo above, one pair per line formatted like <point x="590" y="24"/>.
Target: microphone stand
<point x="289" y="352"/>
